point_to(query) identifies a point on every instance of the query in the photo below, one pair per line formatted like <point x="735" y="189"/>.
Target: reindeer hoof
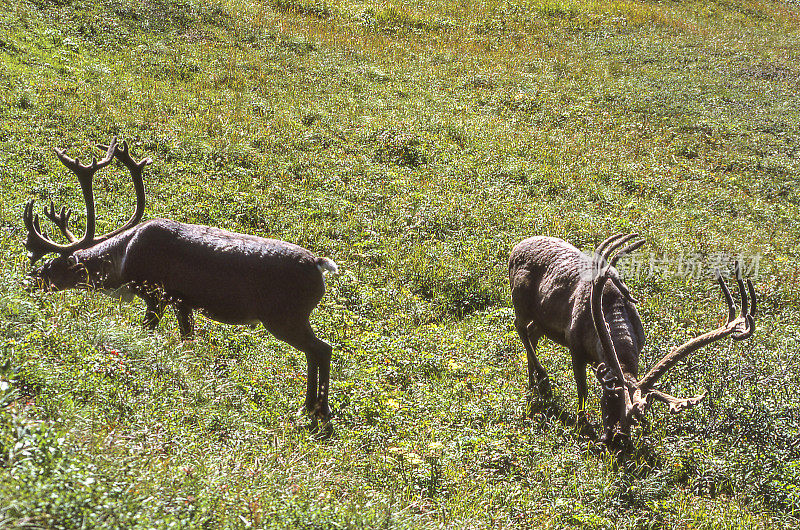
<point x="324" y="430"/>
<point x="543" y="388"/>
<point x="616" y="440"/>
<point x="310" y="411"/>
<point x="319" y="429"/>
<point x="585" y="427"/>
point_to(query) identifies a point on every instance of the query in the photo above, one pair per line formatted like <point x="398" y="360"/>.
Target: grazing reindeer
<point x="232" y="278"/>
<point x="565" y="295"/>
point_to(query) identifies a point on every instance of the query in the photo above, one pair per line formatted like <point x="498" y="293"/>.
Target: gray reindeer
<point x="232" y="278"/>
<point x="563" y="294"/>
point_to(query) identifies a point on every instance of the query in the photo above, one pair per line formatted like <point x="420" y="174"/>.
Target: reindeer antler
<point x="39" y="244"/>
<point x="640" y="393"/>
<point x="61" y="220"/>
<point x="603" y="269"/>
<point x="737" y="328"/>
<point x="136" y="170"/>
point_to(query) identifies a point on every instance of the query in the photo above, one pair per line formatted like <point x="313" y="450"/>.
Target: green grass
<point x="414" y="143"/>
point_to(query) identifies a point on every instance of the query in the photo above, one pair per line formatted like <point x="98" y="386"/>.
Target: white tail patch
<point x="327" y="265"/>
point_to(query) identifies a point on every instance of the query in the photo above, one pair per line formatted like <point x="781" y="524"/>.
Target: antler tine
<point x="612" y="247"/>
<point x="607" y="246"/>
<point x="39" y="228"/>
<point x="123" y="155"/>
<point x="727" y="294"/>
<point x="751" y="317"/>
<point x="676" y="405"/>
<point x="36" y="243"/>
<point x="602" y="265"/>
<point x="86" y="172"/>
<point x="60" y="219"/>
<point x="748" y="303"/>
<point x="627" y="250"/>
<point x="748" y="312"/>
<point x="616" y="279"/>
<point x="600" y="260"/>
<point x="742" y="292"/>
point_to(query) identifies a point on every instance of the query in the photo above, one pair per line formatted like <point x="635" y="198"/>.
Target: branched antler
<point x="640" y="393"/>
<point x="136" y="169"/>
<point x="39" y="243"/>
<point x="603" y="269"/>
<point x="61" y="220"/>
<point x="738" y="328"/>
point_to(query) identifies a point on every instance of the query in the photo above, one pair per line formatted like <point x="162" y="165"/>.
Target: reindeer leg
<point x="154" y="311"/>
<point x="615" y="429"/>
<point x="318" y="357"/>
<point x="318" y="354"/>
<point x="324" y="354"/>
<point x="538" y="380"/>
<point x="579" y="370"/>
<point x="185" y="318"/>
<point x="312" y="384"/>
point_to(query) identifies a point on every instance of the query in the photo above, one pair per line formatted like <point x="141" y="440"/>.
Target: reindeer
<point x="232" y="278"/>
<point x="561" y="293"/>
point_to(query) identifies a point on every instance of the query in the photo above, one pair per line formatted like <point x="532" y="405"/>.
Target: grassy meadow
<point x="414" y="143"/>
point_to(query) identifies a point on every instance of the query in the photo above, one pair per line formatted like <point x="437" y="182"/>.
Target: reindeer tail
<point x="327" y="265"/>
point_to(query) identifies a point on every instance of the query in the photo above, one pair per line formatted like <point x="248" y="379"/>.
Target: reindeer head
<point x="65" y="271"/>
<point x="626" y="399"/>
<point x="58" y="274"/>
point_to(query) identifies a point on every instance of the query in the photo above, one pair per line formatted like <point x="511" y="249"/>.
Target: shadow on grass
<point x="635" y="456"/>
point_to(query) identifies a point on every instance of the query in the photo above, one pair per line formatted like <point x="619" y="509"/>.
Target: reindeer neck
<point x="103" y="261"/>
<point x="627" y="333"/>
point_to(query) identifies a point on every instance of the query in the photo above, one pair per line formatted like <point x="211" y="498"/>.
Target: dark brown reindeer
<point x="561" y="293"/>
<point x="232" y="278"/>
